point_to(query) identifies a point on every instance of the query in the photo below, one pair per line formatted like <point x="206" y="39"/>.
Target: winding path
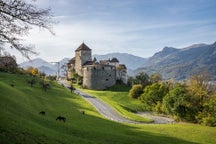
<point x="111" y="114"/>
<point x="103" y="108"/>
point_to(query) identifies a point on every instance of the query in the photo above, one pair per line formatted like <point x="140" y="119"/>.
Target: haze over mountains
<point x="170" y="62"/>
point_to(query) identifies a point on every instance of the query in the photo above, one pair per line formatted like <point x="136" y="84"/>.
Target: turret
<point x="82" y="55"/>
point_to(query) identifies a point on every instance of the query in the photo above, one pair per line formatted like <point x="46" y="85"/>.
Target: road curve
<point x="100" y="106"/>
<point x="105" y="110"/>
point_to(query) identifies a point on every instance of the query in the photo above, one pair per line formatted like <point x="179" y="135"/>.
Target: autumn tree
<point x="198" y="87"/>
<point x="17" y="17"/>
<point x="32" y="71"/>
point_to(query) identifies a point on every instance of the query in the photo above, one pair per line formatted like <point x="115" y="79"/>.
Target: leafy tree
<point x="35" y="71"/>
<point x="136" y="91"/>
<point x="71" y="88"/>
<point x="198" y="90"/>
<point x="45" y="85"/>
<point x="153" y="94"/>
<point x="142" y="78"/>
<point x="32" y="81"/>
<point x="130" y="81"/>
<point x="17" y="18"/>
<point x="32" y="71"/>
<point x="208" y="115"/>
<point x="78" y="79"/>
<point x="177" y="102"/>
<point x="155" y="78"/>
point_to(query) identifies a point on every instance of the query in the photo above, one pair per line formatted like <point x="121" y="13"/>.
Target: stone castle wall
<point x="99" y="77"/>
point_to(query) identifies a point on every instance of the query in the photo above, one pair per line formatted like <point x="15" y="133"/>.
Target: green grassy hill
<point x="20" y="121"/>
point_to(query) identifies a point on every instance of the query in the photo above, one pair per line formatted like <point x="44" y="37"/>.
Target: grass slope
<point x="21" y="123"/>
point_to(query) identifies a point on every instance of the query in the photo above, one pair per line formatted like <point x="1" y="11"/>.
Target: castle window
<point x="107" y="79"/>
<point x="109" y="75"/>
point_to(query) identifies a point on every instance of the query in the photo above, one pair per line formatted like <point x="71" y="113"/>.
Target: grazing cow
<point x="61" y="118"/>
<point x="83" y="112"/>
<point x="42" y="113"/>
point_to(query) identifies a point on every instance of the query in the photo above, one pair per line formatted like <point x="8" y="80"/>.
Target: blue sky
<point x="138" y="27"/>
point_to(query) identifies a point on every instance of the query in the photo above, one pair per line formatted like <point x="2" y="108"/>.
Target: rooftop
<point x="83" y="46"/>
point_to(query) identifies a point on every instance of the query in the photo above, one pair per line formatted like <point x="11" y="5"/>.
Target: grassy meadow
<point x="20" y="121"/>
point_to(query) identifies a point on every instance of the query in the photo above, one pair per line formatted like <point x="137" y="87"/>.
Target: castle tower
<point x="82" y="55"/>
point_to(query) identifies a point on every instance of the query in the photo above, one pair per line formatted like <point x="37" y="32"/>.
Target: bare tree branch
<point x="16" y="19"/>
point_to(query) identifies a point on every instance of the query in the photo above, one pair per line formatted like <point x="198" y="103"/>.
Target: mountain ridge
<point x="131" y="61"/>
<point x="182" y="63"/>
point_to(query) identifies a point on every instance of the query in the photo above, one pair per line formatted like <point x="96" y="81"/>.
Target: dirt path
<point x="105" y="110"/>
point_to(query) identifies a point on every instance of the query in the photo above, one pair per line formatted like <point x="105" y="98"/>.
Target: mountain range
<point x="132" y="62"/>
<point x="49" y="68"/>
<point x="182" y="63"/>
<point x="170" y="62"/>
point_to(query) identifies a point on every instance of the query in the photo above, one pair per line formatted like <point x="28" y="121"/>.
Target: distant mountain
<point x="132" y="62"/>
<point x="182" y="63"/>
<point x="36" y="63"/>
<point x="44" y="66"/>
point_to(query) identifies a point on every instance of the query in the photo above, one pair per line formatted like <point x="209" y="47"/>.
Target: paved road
<point x="103" y="108"/>
<point x="100" y="106"/>
<point x="157" y="119"/>
<point x="111" y="114"/>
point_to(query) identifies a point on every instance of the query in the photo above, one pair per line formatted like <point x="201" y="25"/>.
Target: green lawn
<point x="21" y="123"/>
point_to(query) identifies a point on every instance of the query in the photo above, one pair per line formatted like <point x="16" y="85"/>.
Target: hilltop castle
<point x="96" y="75"/>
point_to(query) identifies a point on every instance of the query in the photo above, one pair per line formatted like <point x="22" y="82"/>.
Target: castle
<point x="96" y="75"/>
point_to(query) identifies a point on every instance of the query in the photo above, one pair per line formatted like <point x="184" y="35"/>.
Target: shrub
<point x="153" y="94"/>
<point x="136" y="91"/>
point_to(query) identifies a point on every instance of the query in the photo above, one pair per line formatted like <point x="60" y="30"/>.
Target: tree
<point x="208" y="115"/>
<point x="32" y="71"/>
<point x="155" y="78"/>
<point x="136" y="91"/>
<point x="153" y="94"/>
<point x="177" y="102"/>
<point x="17" y="17"/>
<point x="31" y="81"/>
<point x="198" y="88"/>
<point x="64" y="68"/>
<point x="44" y="85"/>
<point x="142" y="78"/>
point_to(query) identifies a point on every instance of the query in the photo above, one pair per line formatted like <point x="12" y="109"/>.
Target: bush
<point x="153" y="94"/>
<point x="136" y="91"/>
<point x="208" y="115"/>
